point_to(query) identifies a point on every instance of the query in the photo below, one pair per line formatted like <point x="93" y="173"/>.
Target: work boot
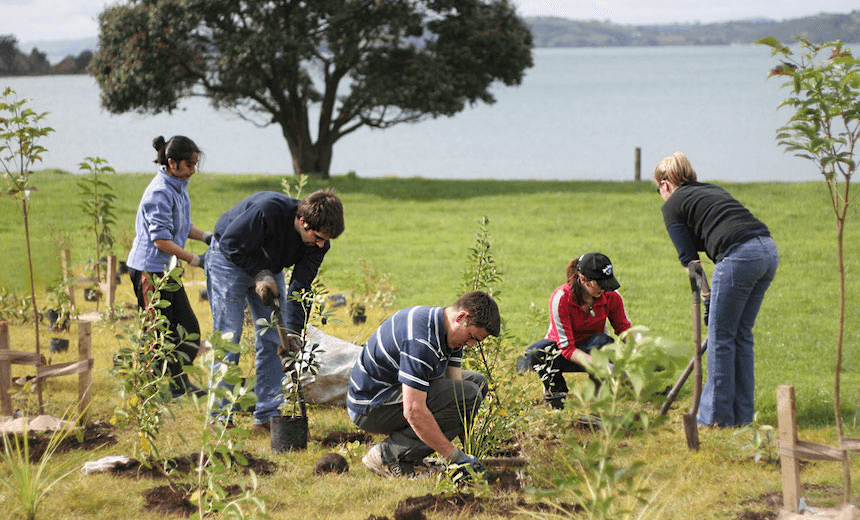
<point x="181" y="385"/>
<point x="555" y="400"/>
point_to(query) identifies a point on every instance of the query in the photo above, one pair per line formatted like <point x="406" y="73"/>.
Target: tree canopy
<point x="351" y="63"/>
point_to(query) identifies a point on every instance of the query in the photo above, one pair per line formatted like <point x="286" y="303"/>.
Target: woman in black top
<point x="704" y="217"/>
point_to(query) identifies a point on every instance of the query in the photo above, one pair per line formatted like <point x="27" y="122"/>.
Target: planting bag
<point x="331" y="383"/>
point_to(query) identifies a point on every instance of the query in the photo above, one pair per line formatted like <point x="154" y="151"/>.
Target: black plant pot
<point x="91" y="295"/>
<point x="289" y="433"/>
<point x="54" y="323"/>
<point x="59" y="345"/>
<point x="358" y="315"/>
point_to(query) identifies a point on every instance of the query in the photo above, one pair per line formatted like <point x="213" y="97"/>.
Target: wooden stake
<point x="5" y="372"/>
<point x="787" y="443"/>
<point x="85" y="379"/>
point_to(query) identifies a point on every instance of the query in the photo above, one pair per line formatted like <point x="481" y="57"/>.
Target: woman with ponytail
<point x="162" y="226"/>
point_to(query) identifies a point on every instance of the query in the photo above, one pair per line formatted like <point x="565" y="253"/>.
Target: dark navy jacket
<point x="259" y="233"/>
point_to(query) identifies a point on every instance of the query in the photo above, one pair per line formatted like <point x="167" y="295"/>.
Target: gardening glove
<point x="706" y="303"/>
<point x="203" y="260"/>
<point x="294" y="344"/>
<point x="195" y="261"/>
<point x="464" y="466"/>
<point x="266" y="288"/>
<point x="207" y="237"/>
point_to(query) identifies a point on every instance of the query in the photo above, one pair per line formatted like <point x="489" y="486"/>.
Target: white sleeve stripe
<point x="556" y="319"/>
<point x="412" y="378"/>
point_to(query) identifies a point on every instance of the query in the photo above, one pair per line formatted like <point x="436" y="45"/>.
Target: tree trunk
<point x="846" y="465"/>
<point x="308" y="157"/>
<point x="33" y="296"/>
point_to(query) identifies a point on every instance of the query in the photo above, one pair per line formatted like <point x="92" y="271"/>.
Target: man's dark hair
<point x="483" y="311"/>
<point x="323" y="212"/>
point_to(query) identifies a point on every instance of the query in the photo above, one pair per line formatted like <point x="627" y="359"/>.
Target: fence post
<point x="5" y="372"/>
<point x="638" y="165"/>
<point x="85" y="378"/>
<point x="66" y="257"/>
<point x="111" y="280"/>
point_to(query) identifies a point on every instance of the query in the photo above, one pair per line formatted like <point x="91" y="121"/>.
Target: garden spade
<point x="285" y="348"/>
<point x="673" y="393"/>
<point x="691" y="427"/>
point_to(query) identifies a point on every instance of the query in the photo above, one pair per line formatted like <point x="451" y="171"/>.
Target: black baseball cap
<point x="597" y="266"/>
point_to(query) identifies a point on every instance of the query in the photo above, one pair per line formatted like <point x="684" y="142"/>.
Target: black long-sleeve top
<point x="705" y="217"/>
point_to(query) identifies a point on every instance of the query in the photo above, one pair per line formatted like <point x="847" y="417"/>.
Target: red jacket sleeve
<point x="617" y="314"/>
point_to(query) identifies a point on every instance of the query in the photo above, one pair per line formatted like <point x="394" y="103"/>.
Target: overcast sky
<point x="34" y="20"/>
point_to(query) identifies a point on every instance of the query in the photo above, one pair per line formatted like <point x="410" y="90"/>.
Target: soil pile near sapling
<point x="175" y="500"/>
<point x="463" y="505"/>
<point x="169" y="501"/>
<point x="187" y="464"/>
<point x="96" y="434"/>
<point x="338" y="438"/>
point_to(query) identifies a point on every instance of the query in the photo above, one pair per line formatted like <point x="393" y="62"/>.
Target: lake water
<point x="579" y="114"/>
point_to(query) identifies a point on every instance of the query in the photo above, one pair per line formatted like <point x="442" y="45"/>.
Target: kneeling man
<point x="408" y="383"/>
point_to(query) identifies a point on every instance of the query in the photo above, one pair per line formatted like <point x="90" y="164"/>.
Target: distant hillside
<point x="57" y="50"/>
<point x="564" y="32"/>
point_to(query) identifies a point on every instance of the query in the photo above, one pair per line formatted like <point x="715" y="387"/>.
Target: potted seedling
<point x="59" y="309"/>
<point x="289" y="431"/>
<point x="357" y="311"/>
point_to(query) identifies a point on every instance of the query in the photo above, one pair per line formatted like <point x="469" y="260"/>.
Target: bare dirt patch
<point x="96" y="434"/>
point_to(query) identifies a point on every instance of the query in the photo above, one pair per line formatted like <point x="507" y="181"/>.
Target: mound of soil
<point x="461" y="505"/>
<point x="169" y="501"/>
<point x="337" y="438"/>
<point x="186" y="464"/>
<point x="95" y="435"/>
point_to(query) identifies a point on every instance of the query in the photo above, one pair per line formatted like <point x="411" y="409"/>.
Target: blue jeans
<point x="230" y="288"/>
<point x="738" y="285"/>
<point x="545" y="354"/>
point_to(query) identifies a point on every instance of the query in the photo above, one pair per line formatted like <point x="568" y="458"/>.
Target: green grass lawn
<point x="419" y="232"/>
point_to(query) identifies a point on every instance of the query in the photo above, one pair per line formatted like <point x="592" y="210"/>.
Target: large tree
<point x="372" y="63"/>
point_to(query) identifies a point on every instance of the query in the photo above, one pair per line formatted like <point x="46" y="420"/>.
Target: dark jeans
<point x="545" y="358"/>
<point x="179" y="312"/>
<point x="450" y="402"/>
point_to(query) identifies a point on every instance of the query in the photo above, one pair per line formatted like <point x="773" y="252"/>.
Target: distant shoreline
<point x="556" y="32"/>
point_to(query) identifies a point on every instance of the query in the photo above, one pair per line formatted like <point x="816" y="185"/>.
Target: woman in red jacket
<point x="578" y="312"/>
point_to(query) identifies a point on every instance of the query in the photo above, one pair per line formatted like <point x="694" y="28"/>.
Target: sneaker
<point x="373" y="461"/>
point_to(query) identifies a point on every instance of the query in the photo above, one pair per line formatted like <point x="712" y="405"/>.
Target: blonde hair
<point x="676" y="169"/>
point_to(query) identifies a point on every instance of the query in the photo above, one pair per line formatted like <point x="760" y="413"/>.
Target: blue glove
<point x="463" y="466"/>
<point x="707" y="305"/>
